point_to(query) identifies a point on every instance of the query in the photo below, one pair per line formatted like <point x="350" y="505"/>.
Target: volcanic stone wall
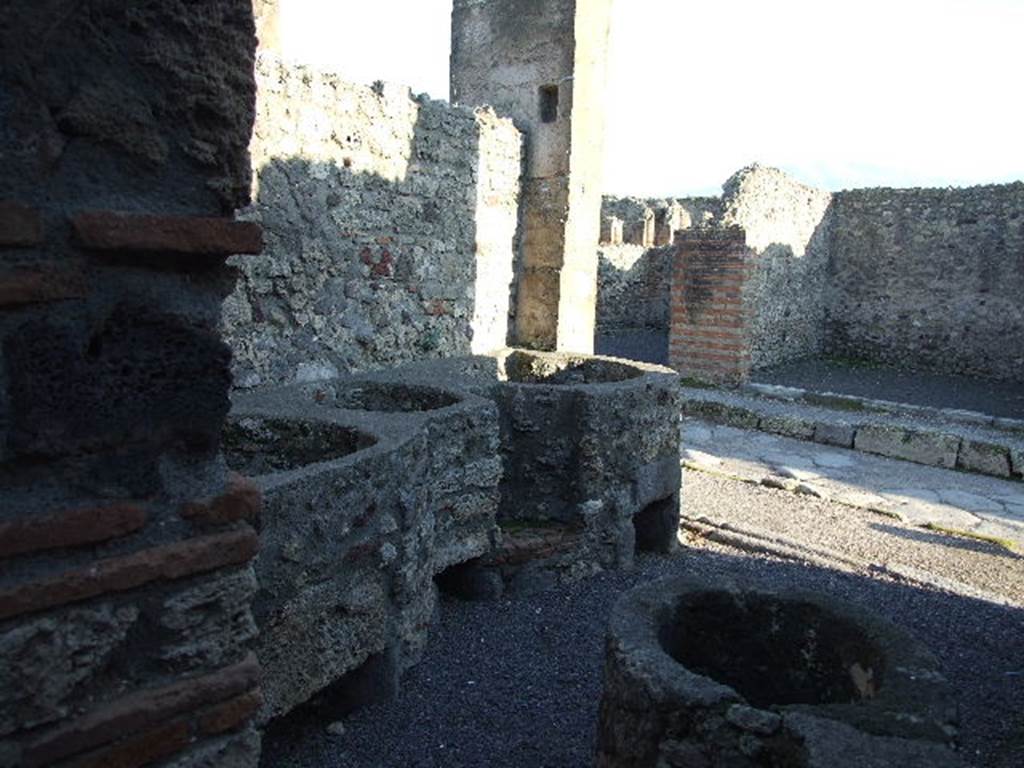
<point x="786" y="226"/>
<point x="930" y="278"/>
<point x="389" y="224"/>
<point x="125" y="546"/>
<point x="783" y="227"/>
<point x="919" y="278"/>
<point x="635" y="259"/>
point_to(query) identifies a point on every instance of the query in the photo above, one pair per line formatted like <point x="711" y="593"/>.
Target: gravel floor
<point x="517" y="682"/>
<point x="937" y="390"/>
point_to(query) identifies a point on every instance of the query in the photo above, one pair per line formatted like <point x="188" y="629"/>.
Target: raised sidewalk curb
<point x="964" y="440"/>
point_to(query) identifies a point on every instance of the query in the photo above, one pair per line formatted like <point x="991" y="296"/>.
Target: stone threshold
<point x="961" y="440"/>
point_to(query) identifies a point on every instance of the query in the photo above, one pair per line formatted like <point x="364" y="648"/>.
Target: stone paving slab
<point x="930" y="438"/>
<point x="920" y="495"/>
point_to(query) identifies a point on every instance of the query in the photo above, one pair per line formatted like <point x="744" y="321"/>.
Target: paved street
<point x="919" y="495"/>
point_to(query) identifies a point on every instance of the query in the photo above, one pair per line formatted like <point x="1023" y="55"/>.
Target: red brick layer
<point x="32" y="286"/>
<point x="708" y="323"/>
<point x="139" y="711"/>
<point x="242" y="501"/>
<point x="69" y="529"/>
<point x="184" y="235"/>
<point x="171" y="561"/>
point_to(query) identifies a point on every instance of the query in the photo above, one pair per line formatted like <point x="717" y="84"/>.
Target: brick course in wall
<point x="709" y="336"/>
<point x="124" y="624"/>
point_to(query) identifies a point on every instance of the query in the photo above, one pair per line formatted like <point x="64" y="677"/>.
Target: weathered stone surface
<point x="682" y="688"/>
<point x="988" y="459"/>
<point x="721" y="413"/>
<point x="856" y="273"/>
<point x="171" y="235"/>
<point x="786" y="225"/>
<point x="506" y="55"/>
<point x="899" y="443"/>
<point x="352" y="540"/>
<point x="210" y="623"/>
<point x="834" y="433"/>
<point x="788" y="427"/>
<point x="753" y="720"/>
<point x="69" y="529"/>
<point x="389" y="224"/>
<point x="315" y="638"/>
<point x="114" y="382"/>
<point x="829" y="743"/>
<point x="20" y="225"/>
<point x="141" y="710"/>
<point x="241" y="750"/>
<point x="1017" y="462"/>
<point x="590" y="452"/>
<point x="928" y="278"/>
<point x="47" y="659"/>
<point x="137" y="108"/>
<point x="171" y="561"/>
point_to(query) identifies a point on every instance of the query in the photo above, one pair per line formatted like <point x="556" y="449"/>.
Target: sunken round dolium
<point x="590" y="450"/>
<point x="521" y="367"/>
<point x="361" y="510"/>
<point x="257" y="445"/>
<point x="700" y="676"/>
<point x="383" y="397"/>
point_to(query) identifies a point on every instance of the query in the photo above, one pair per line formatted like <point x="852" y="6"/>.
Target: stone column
<point x="543" y="64"/>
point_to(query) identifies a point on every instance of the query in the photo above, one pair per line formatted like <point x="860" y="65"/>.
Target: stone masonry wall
<point x="389" y="224"/>
<point x="919" y="278"/>
<point x="786" y="225"/>
<point x="543" y="65"/>
<point x="930" y="278"/>
<point x="125" y="545"/>
<point x="635" y="260"/>
<point x="634" y="288"/>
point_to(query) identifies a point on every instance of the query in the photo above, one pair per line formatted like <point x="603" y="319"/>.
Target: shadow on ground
<point x="516" y="683"/>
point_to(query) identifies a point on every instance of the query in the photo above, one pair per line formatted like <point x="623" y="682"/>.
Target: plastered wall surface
<point x="389" y="226"/>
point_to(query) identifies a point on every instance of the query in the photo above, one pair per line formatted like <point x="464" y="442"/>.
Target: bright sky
<point x="839" y="94"/>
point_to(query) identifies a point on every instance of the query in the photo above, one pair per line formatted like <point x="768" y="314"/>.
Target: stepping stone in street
<point x="833" y="460"/>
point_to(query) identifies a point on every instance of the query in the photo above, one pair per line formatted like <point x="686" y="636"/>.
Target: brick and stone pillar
<point x="709" y="334"/>
<point x="543" y="64"/>
<point x="125" y="545"/>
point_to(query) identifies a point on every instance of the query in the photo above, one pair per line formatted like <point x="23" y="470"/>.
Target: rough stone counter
<point x="589" y="451"/>
<point x="370" y="490"/>
<point x="699" y="675"/>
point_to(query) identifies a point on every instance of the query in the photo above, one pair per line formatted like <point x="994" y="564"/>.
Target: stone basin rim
<point x="912" y="671"/>
<point x="384" y="442"/>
